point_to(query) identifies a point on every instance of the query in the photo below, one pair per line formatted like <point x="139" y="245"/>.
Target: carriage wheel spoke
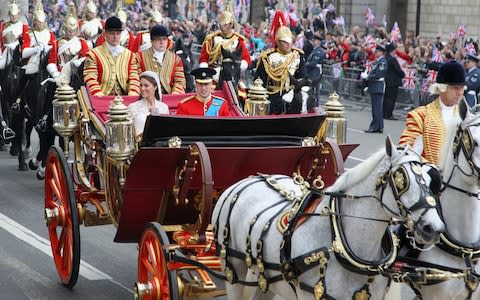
<point x="61" y="240"/>
<point x="55" y="189"/>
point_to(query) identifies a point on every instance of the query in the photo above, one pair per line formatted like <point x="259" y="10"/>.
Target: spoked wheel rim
<point x="62" y="217"/>
<point x="155" y="280"/>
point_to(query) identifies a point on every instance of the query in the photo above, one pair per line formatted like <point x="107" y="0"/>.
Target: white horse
<point x="259" y="232"/>
<point x="461" y="210"/>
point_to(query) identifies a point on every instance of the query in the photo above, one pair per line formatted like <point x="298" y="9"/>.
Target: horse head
<point x="467" y="139"/>
<point x="413" y="187"/>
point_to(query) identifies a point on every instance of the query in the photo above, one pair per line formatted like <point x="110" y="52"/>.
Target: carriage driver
<point x="433" y="120"/>
<point x="163" y="61"/>
<point x="224" y="48"/>
<point x="111" y="69"/>
<point x="203" y="103"/>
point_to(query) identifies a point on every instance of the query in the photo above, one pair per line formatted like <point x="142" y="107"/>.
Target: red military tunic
<point x="194" y="106"/>
<point x="215" y="43"/>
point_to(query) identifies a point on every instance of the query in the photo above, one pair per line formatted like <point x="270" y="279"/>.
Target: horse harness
<point x="294" y="208"/>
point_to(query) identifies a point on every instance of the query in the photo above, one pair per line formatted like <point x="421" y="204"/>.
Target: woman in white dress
<point x="149" y="103"/>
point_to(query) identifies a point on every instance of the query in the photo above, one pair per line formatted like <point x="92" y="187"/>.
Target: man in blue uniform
<point x="376" y="89"/>
<point x="472" y="81"/>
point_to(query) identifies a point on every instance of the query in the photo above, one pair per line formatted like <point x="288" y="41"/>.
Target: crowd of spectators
<point x="353" y="49"/>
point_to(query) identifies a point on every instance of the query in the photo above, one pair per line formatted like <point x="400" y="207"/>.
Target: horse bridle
<point x="399" y="182"/>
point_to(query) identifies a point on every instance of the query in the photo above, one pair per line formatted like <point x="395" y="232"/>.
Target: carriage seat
<point x="100" y="104"/>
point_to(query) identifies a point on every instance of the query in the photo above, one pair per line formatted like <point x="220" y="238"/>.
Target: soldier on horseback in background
<point x="36" y="45"/>
<point x="64" y="65"/>
<point x="282" y="69"/>
<point x="10" y="66"/>
<point x="163" y="61"/>
<point x="224" y="50"/>
<point x="91" y="26"/>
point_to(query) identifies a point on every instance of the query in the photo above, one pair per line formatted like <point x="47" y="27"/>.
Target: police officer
<point x="472" y="81"/>
<point x="313" y="66"/>
<point x="376" y="89"/>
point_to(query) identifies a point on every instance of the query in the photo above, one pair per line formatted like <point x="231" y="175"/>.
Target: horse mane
<point x="446" y="151"/>
<point x="360" y="172"/>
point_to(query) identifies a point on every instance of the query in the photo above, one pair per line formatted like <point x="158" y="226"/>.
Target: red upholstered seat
<point x="100" y="104"/>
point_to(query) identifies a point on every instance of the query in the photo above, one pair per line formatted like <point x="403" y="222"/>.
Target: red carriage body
<point x="165" y="195"/>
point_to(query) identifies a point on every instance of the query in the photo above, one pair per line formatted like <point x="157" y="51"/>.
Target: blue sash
<point x="214" y="108"/>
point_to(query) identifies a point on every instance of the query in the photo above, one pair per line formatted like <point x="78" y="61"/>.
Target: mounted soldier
<point x="224" y="50"/>
<point x="36" y="46"/>
<point x="282" y="69"/>
<point x="64" y="65"/>
<point x="91" y="26"/>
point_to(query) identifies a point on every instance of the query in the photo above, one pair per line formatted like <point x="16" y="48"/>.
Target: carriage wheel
<point x="61" y="217"/>
<point x="155" y="280"/>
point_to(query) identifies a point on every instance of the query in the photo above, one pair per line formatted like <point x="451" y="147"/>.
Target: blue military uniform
<point x="376" y="89"/>
<point x="313" y="68"/>
<point x="472" y="83"/>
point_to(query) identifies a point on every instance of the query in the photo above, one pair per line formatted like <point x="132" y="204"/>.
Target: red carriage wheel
<point x="61" y="217"/>
<point x="155" y="280"/>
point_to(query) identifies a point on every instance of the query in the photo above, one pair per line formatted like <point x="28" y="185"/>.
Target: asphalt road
<point x="108" y="269"/>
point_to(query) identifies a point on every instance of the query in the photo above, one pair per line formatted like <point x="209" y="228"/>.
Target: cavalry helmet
<point x="284" y="34"/>
<point x="38" y="13"/>
<point x="120" y="13"/>
<point x="226" y="17"/>
<point x="13" y="8"/>
<point x="70" y="22"/>
<point x="91" y="7"/>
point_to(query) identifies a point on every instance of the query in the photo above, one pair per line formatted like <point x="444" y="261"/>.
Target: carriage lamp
<point x="65" y="112"/>
<point x="335" y="125"/>
<point x="120" y="139"/>
<point x="257" y="103"/>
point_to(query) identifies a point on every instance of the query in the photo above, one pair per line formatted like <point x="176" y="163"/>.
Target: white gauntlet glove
<point x="288" y="97"/>
<point x="364" y="75"/>
<point x="243" y="65"/>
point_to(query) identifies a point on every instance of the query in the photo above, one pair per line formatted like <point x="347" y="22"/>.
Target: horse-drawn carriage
<point x="159" y="191"/>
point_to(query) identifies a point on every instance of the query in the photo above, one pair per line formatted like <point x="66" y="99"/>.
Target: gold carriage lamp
<point x="119" y="139"/>
<point x="65" y="111"/>
<point x="335" y="126"/>
<point x="257" y="103"/>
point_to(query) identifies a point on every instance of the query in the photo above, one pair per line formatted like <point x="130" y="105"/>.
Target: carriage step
<point x="93" y="219"/>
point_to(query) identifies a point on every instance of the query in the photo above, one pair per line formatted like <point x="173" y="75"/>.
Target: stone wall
<point x="444" y="17"/>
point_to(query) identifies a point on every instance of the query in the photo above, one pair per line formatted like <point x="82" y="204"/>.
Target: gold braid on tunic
<point x="279" y="73"/>
<point x="215" y="51"/>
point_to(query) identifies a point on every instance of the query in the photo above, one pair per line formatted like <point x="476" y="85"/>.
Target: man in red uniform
<point x="225" y="51"/>
<point x="203" y="103"/>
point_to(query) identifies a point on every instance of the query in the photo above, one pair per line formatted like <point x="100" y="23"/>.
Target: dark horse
<point x="9" y="78"/>
<point x="186" y="56"/>
<point x="33" y="104"/>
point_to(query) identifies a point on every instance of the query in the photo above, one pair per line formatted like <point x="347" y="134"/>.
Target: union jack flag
<point x="409" y="79"/>
<point x="461" y="31"/>
<point x="395" y="35"/>
<point x="369" y="17"/>
<point x="436" y="55"/>
<point x="470" y="49"/>
<point x="370" y="42"/>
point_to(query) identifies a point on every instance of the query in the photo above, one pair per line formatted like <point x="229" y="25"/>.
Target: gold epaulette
<point x="211" y="35"/>
<point x="187" y="99"/>
<point x="298" y="49"/>
<point x="267" y="52"/>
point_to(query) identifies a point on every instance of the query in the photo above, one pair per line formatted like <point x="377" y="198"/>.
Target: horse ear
<point x="463" y="108"/>
<point x="389" y="146"/>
